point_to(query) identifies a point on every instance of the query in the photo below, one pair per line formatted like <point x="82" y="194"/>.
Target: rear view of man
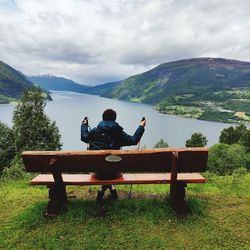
<point x="109" y="135"/>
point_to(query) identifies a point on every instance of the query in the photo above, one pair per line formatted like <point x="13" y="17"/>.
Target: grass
<point x="184" y="111"/>
<point x="242" y="115"/>
<point x="220" y="219"/>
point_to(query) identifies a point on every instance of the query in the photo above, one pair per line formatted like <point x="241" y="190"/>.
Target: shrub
<point x="233" y="135"/>
<point x="246" y="140"/>
<point x="161" y="144"/>
<point x="7" y="146"/>
<point x="15" y="171"/>
<point x="196" y="140"/>
<point x="225" y="159"/>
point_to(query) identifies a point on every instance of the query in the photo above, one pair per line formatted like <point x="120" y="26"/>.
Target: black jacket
<point x="117" y="137"/>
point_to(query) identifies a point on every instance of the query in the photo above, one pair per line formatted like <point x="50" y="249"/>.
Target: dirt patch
<point x="90" y="193"/>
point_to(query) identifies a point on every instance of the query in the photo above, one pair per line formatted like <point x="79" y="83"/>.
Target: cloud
<point x="96" y="41"/>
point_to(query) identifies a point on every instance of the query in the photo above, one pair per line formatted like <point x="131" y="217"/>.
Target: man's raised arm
<point x="85" y="130"/>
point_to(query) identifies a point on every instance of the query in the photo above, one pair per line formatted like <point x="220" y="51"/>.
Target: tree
<point x="224" y="159"/>
<point x="233" y="135"/>
<point x="196" y="140"/>
<point x="7" y="146"/>
<point x="246" y="140"/>
<point x="34" y="130"/>
<point x="161" y="144"/>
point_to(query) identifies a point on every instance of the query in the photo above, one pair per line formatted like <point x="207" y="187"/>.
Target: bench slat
<point x="161" y="162"/>
<point x="87" y="179"/>
<point x="132" y="161"/>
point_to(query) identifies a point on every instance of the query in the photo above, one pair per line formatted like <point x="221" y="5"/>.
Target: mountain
<point x="203" y="88"/>
<point x="102" y="89"/>
<point x="12" y="83"/>
<point x="51" y="82"/>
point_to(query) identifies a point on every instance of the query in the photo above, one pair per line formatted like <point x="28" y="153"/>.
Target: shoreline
<point x="7" y="103"/>
<point x="186" y="116"/>
<point x="247" y="123"/>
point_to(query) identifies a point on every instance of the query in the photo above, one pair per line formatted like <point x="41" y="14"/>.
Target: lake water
<point x="68" y="109"/>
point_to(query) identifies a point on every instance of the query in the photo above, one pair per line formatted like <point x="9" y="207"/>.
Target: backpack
<point x="99" y="141"/>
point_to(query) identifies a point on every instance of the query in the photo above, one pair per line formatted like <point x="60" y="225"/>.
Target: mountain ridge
<point x="197" y="83"/>
<point x="59" y="83"/>
<point x="12" y="83"/>
<point x="52" y="82"/>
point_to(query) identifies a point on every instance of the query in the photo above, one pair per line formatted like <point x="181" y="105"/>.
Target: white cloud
<point x="97" y="41"/>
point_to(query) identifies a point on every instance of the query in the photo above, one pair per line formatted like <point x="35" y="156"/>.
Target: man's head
<point x="109" y="115"/>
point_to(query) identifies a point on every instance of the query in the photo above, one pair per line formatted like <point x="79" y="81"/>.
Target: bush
<point x="239" y="172"/>
<point x="161" y="144"/>
<point x="15" y="171"/>
<point x="224" y="159"/>
<point x="246" y="140"/>
<point x="233" y="135"/>
<point x="196" y="140"/>
<point x="248" y="161"/>
<point x="7" y="146"/>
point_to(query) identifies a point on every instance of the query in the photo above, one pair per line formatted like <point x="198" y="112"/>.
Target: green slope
<point x="51" y="82"/>
<point x="102" y="89"/>
<point x="12" y="83"/>
<point x="204" y="84"/>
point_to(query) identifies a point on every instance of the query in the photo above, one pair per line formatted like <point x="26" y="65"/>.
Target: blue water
<point x="68" y="109"/>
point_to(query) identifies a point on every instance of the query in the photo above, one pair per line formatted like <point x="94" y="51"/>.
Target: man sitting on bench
<point x="109" y="135"/>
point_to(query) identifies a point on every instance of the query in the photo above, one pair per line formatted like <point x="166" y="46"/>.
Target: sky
<point x="97" y="41"/>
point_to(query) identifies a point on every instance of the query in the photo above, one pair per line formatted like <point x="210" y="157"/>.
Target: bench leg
<point x="58" y="200"/>
<point x="177" y="200"/>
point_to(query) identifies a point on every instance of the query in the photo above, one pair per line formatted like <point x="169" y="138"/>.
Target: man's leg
<point x="101" y="193"/>
<point x="113" y="192"/>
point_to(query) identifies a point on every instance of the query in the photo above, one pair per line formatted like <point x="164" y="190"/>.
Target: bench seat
<point x="87" y="179"/>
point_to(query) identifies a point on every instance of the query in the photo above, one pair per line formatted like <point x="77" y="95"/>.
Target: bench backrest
<point x="128" y="161"/>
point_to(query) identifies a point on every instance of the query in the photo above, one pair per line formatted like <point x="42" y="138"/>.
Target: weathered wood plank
<point x="87" y="179"/>
<point x="132" y="161"/>
<point x="118" y="152"/>
<point x="192" y="161"/>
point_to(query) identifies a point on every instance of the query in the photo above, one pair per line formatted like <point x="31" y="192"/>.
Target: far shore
<point x="12" y="102"/>
<point x="186" y="116"/>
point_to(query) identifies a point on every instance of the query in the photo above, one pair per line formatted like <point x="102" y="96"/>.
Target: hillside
<point x="102" y="89"/>
<point x="12" y="83"/>
<point x="205" y="88"/>
<point x="51" y="82"/>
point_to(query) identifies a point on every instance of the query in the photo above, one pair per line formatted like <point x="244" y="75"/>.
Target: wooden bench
<point x="174" y="166"/>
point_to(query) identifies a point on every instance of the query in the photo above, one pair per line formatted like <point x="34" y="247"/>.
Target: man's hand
<point x="85" y="121"/>
<point x="143" y="122"/>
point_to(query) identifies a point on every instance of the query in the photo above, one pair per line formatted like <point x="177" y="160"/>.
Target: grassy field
<point x="220" y="219"/>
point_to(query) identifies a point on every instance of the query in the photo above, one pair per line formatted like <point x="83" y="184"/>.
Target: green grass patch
<point x="185" y="111"/>
<point x="220" y="218"/>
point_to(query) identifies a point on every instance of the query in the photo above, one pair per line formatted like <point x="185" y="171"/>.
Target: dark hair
<point x="109" y="115"/>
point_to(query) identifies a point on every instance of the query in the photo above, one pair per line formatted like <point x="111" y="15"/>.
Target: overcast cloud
<point x="98" y="41"/>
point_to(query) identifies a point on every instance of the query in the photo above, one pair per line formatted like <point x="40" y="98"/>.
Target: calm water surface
<point x="68" y="109"/>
